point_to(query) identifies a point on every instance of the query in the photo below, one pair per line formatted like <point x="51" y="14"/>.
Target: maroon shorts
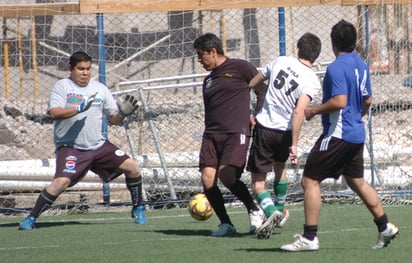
<point x="331" y="157"/>
<point x="74" y="164"/>
<point x="223" y="149"/>
<point x="268" y="146"/>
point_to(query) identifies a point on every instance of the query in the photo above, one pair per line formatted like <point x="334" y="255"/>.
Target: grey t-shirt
<point x="84" y="130"/>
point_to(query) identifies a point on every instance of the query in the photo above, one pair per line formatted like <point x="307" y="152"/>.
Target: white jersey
<point x="288" y="79"/>
<point x="84" y="130"/>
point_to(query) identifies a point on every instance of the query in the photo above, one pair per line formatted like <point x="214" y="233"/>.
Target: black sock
<point x="215" y="198"/>
<point x="310" y="232"/>
<point x="239" y="189"/>
<point x="135" y="187"/>
<point x="44" y="201"/>
<point x="381" y="222"/>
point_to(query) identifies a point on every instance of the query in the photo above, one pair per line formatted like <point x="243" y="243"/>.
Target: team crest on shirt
<point x="208" y="83"/>
<point x="119" y="153"/>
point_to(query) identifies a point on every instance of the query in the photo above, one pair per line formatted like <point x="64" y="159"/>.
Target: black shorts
<point x="223" y="149"/>
<point x="268" y="146"/>
<point x="331" y="157"/>
<point x="74" y="164"/>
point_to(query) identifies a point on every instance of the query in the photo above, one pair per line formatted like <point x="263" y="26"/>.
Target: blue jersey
<point x="347" y="75"/>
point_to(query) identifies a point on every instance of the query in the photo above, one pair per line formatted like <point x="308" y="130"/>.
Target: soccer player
<point x="78" y="105"/>
<point x="225" y="141"/>
<point x="347" y="96"/>
<point x="292" y="85"/>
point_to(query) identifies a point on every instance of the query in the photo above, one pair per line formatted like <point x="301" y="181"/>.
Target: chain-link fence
<point x="150" y="55"/>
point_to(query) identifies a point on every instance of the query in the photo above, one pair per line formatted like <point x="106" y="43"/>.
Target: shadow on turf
<point x="49" y="224"/>
<point x="193" y="232"/>
<point x="275" y="249"/>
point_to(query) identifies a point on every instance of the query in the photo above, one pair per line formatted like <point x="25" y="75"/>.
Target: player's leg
<point x="280" y="187"/>
<point x="312" y="204"/>
<point x="386" y="230"/>
<point x="61" y="182"/>
<point x="134" y="183"/>
<point x="208" y="164"/>
<point x="232" y="163"/>
<point x="109" y="163"/>
<point x="44" y="201"/>
<point x="355" y="180"/>
<point x="260" y="162"/>
<point x="263" y="197"/>
<point x="215" y="197"/>
<point x="229" y="176"/>
<point x="265" y="201"/>
<point x="314" y="172"/>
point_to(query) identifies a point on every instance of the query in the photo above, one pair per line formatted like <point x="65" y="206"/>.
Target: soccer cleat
<point x="385" y="237"/>
<point x="256" y="220"/>
<point x="301" y="244"/>
<point x="285" y="218"/>
<point x="28" y="223"/>
<point x="138" y="215"/>
<point x="265" y="230"/>
<point x="224" y="229"/>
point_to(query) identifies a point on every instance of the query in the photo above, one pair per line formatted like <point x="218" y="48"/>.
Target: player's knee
<point x="130" y="168"/>
<point x="58" y="185"/>
<point x="229" y="174"/>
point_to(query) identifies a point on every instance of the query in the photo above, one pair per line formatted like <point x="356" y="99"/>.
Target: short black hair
<point x="77" y="57"/>
<point x="344" y="36"/>
<point x="309" y="46"/>
<point x="208" y="41"/>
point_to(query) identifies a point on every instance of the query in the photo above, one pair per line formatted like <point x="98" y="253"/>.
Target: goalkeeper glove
<point x="127" y="106"/>
<point x="85" y="103"/>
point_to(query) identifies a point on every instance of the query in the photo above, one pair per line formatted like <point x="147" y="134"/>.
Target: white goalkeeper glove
<point x="127" y="106"/>
<point x="86" y="103"/>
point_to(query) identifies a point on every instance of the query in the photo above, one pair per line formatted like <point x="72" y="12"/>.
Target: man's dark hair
<point x="344" y="36"/>
<point x="77" y="57"/>
<point x="208" y="41"/>
<point x="309" y="46"/>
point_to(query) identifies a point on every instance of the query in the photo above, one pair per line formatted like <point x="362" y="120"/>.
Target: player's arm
<point x="366" y="104"/>
<point x="335" y="103"/>
<point x="59" y="113"/>
<point x="297" y="122"/>
<point x="115" y="118"/>
<point x="257" y="83"/>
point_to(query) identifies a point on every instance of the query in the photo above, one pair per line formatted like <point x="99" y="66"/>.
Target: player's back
<point x="288" y="79"/>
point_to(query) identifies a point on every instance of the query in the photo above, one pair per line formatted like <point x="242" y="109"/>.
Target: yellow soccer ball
<point x="200" y="208"/>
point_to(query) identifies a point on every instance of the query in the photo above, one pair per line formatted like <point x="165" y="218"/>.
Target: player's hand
<point x="293" y="155"/>
<point x="127" y="105"/>
<point x="252" y="122"/>
<point x="86" y="103"/>
<point x="309" y="113"/>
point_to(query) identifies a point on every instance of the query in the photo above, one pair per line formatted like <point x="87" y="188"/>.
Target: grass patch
<point x="346" y="234"/>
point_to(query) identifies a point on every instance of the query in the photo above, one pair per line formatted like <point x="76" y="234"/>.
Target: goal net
<point x="150" y="54"/>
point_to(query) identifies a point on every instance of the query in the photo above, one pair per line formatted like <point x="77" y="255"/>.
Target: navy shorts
<point x="331" y="157"/>
<point x="268" y="146"/>
<point x="223" y="149"/>
<point x="104" y="161"/>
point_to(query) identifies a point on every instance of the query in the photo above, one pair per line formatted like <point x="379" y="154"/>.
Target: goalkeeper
<point x="77" y="105"/>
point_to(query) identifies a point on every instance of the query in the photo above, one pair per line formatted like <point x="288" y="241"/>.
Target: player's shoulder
<point x="238" y="61"/>
<point x="284" y="61"/>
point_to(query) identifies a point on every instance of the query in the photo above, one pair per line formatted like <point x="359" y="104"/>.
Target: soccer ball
<point x="200" y="208"/>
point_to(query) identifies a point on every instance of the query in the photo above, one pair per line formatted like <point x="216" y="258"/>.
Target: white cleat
<point x="256" y="219"/>
<point x="301" y="244"/>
